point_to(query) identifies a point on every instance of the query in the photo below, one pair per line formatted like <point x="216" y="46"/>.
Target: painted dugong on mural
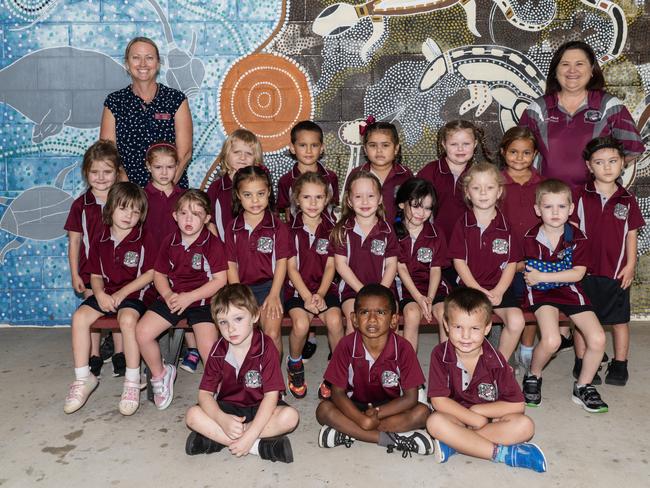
<point x="61" y="86"/>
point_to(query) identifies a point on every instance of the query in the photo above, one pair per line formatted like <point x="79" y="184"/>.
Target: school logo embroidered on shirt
<point x="500" y="246"/>
<point x="487" y="392"/>
<point x="378" y="247"/>
<point x="265" y="245"/>
<point x="620" y="211"/>
<point x="196" y="261"/>
<point x="131" y="259"/>
<point x="389" y="379"/>
<point x="593" y="116"/>
<point x="425" y="255"/>
<point x="321" y="246"/>
<point x="253" y="379"/>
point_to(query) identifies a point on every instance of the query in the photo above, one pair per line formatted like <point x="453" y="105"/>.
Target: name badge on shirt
<point x="500" y="246"/>
<point x="253" y="379"/>
<point x="378" y="247"/>
<point x="131" y="259"/>
<point x="562" y="253"/>
<point x="265" y="245"/>
<point x="487" y="392"/>
<point x="321" y="246"/>
<point x="160" y="116"/>
<point x="389" y="379"/>
<point x="593" y="116"/>
<point x="425" y="255"/>
<point x="196" y="261"/>
<point x="620" y="211"/>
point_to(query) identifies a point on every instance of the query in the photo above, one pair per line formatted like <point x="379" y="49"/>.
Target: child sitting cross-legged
<point x="375" y="377"/>
<point x="479" y="408"/>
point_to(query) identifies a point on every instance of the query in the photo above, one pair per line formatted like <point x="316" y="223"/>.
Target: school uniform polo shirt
<point x="518" y="204"/>
<point x="449" y="192"/>
<point x="487" y="252"/>
<point x="398" y="175"/>
<point x="256" y="251"/>
<point x="428" y="250"/>
<point x="538" y="246"/>
<point x="243" y="384"/>
<point x="493" y="379"/>
<point x="367" y="380"/>
<point x="85" y="217"/>
<point x="220" y="194"/>
<point x="562" y="137"/>
<point x="160" y="221"/>
<point x="366" y="255"/>
<point x="190" y="267"/>
<point x="119" y="264"/>
<point x="606" y="222"/>
<point x="312" y="252"/>
<point x="285" y="184"/>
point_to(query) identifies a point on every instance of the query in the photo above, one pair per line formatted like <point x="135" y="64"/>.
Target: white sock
<point x="255" y="448"/>
<point x="82" y="373"/>
<point x="132" y="375"/>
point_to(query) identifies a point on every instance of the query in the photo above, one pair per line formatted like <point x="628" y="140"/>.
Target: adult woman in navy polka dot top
<point x="146" y="112"/>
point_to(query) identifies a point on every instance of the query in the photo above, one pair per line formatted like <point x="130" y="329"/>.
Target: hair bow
<point x="364" y="125"/>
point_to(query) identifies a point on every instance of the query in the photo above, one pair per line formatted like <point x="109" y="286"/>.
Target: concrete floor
<point x="41" y="446"/>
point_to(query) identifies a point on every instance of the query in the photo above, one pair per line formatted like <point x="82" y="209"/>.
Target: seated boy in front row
<point x="375" y="377"/>
<point x="478" y="405"/>
<point x="239" y="404"/>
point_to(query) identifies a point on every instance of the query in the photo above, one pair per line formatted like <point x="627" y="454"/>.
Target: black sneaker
<point x="107" y="348"/>
<point x="418" y="442"/>
<point x="119" y="364"/>
<point x="276" y="449"/>
<point x="330" y="437"/>
<point x="96" y="363"/>
<point x="577" y="369"/>
<point x="589" y="398"/>
<point x="199" y="444"/>
<point x="308" y="350"/>
<point x="617" y="373"/>
<point x="296" y="379"/>
<point x="532" y="387"/>
<point x="566" y="343"/>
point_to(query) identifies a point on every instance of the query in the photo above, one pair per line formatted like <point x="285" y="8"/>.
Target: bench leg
<point x="170" y="343"/>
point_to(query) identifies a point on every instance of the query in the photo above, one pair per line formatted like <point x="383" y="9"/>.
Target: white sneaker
<point x="78" y="393"/>
<point x="417" y="441"/>
<point x="330" y="437"/>
<point x="163" y="389"/>
<point x="130" y="400"/>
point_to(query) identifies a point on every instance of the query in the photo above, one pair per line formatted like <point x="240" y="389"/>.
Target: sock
<point x="312" y="339"/>
<point x="526" y="352"/>
<point x="385" y="439"/>
<point x="579" y="386"/>
<point x="499" y="453"/>
<point x="255" y="448"/>
<point x="133" y="375"/>
<point x="293" y="362"/>
<point x="82" y="373"/>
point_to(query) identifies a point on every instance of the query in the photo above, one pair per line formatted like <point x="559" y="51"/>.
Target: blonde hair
<point x="313" y="178"/>
<point x="245" y="136"/>
<point x="457" y="125"/>
<point x="553" y="186"/>
<point x="483" y="168"/>
<point x="160" y="148"/>
<point x="193" y="196"/>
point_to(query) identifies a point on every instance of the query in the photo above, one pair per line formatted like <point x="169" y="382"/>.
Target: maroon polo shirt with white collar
<point x="243" y="384"/>
<point x="285" y="185"/>
<point x="311" y="252"/>
<point x="486" y="253"/>
<point x="85" y="217"/>
<point x="537" y="246"/>
<point x="160" y="221"/>
<point x="367" y="380"/>
<point x="120" y="264"/>
<point x="366" y="255"/>
<point x="428" y="250"/>
<point x="449" y="192"/>
<point x="190" y="267"/>
<point x="220" y="194"/>
<point x="493" y="379"/>
<point x="389" y="187"/>
<point x="606" y="222"/>
<point x="256" y="251"/>
<point x="518" y="204"/>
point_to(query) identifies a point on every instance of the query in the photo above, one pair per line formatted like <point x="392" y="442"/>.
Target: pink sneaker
<point x="163" y="389"/>
<point x="78" y="393"/>
<point x="130" y="400"/>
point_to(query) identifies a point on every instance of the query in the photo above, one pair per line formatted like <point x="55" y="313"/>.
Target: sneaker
<point x="199" y="444"/>
<point x="276" y="449"/>
<point x="190" y="360"/>
<point x="296" y="379"/>
<point x="566" y="343"/>
<point x="96" y="363"/>
<point x="119" y="364"/>
<point x="163" y="389"/>
<point x="589" y="398"/>
<point x="532" y="387"/>
<point x="330" y="437"/>
<point x="526" y="455"/>
<point x="617" y="373"/>
<point x="324" y="391"/>
<point x="130" y="400"/>
<point x="415" y="441"/>
<point x="442" y="451"/>
<point x="577" y="369"/>
<point x="78" y="393"/>
<point x="308" y="350"/>
<point x="107" y="348"/>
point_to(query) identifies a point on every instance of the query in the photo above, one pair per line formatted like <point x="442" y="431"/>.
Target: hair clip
<point x="160" y="144"/>
<point x="364" y="125"/>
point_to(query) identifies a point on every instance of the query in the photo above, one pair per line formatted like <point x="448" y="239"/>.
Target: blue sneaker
<point x="442" y="451"/>
<point x="190" y="361"/>
<point x="526" y="455"/>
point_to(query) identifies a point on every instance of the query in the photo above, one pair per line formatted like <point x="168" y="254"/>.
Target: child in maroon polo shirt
<point x="557" y="243"/>
<point x="121" y="269"/>
<point x="239" y="396"/>
<point x="610" y="217"/>
<point x="485" y="252"/>
<point x="375" y="377"/>
<point x="365" y="246"/>
<point x="190" y="268"/>
<point x="310" y="290"/>
<point x="478" y="406"/>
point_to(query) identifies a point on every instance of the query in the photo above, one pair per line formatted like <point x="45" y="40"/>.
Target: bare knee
<point x="523" y="426"/>
<point x="436" y="423"/>
<point x="289" y="417"/>
<point x="551" y="342"/>
<point x="324" y="411"/>
<point x="597" y="340"/>
<point x="421" y="413"/>
<point x="192" y="416"/>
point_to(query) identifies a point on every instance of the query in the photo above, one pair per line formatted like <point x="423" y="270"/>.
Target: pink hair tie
<point x="161" y="144"/>
<point x="364" y="125"/>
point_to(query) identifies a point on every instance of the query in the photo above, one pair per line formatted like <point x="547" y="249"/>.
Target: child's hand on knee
<point x="105" y="302"/>
<point x="273" y="307"/>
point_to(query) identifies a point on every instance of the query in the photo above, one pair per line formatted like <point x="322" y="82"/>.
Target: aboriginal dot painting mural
<point x="264" y="65"/>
